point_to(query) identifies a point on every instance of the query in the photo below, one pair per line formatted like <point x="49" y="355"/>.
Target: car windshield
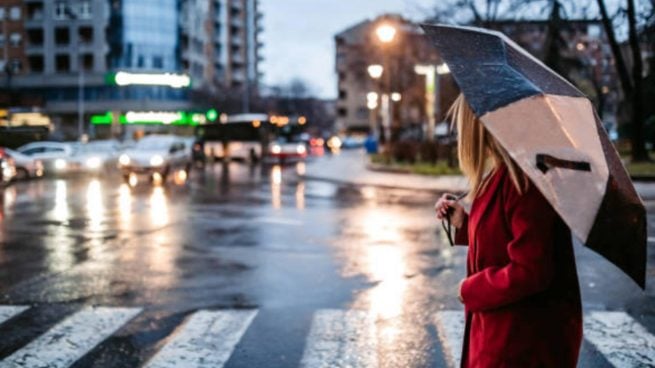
<point x="154" y="144"/>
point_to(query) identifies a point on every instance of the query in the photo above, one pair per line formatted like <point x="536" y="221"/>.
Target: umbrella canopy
<point x="553" y="133"/>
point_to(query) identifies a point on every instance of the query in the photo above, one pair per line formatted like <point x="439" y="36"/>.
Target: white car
<point x="97" y="156"/>
<point x="26" y="166"/>
<point x="156" y="156"/>
<point x="55" y="156"/>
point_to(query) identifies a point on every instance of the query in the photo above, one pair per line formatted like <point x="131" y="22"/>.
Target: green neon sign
<point x="175" y="118"/>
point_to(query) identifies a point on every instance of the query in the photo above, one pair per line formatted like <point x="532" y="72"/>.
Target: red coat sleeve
<point x="531" y="220"/>
<point x="462" y="234"/>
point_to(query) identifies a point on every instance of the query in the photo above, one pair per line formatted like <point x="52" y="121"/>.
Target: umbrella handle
<point x="546" y="162"/>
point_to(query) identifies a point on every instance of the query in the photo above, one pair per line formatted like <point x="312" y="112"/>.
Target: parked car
<point x="7" y="169"/>
<point x="156" y="156"/>
<point x="26" y="166"/>
<point x="97" y="157"/>
<point x="283" y="150"/>
<point x="55" y="156"/>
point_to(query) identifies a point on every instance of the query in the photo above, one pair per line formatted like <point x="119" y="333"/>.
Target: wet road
<point x="251" y="267"/>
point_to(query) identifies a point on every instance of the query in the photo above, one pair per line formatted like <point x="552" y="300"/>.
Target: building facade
<point x="71" y="51"/>
<point x="399" y="91"/>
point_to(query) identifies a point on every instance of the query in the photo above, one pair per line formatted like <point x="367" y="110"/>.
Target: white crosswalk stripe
<point x="9" y="311"/>
<point x="71" y="339"/>
<point x="622" y="340"/>
<point x="339" y="338"/>
<point x="207" y="339"/>
<point x="450" y="326"/>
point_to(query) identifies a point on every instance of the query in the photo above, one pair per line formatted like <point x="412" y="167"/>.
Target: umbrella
<point x="553" y="133"/>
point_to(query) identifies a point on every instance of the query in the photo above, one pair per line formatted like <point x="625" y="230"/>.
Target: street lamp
<point x="396" y="97"/>
<point x="375" y="71"/>
<point x="386" y="33"/>
<point x="431" y="73"/>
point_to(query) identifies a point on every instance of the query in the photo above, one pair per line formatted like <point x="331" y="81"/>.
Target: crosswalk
<point x="336" y="338"/>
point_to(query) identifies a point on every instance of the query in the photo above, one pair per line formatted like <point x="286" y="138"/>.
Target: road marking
<point x="279" y="221"/>
<point x="340" y="338"/>
<point x="622" y="340"/>
<point x="69" y="340"/>
<point x="207" y="339"/>
<point x="9" y="311"/>
<point x="450" y="326"/>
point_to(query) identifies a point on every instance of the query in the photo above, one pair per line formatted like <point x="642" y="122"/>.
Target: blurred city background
<point x="270" y="167"/>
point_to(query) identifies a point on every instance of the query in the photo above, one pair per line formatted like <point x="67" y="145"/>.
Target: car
<point x="7" y="169"/>
<point x="26" y="166"/>
<point x="156" y="156"/>
<point x="283" y="150"/>
<point x="97" y="157"/>
<point x="55" y="156"/>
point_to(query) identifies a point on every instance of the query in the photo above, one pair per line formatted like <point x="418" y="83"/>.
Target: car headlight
<point x="156" y="160"/>
<point x="93" y="163"/>
<point x="300" y="149"/>
<point x="275" y="149"/>
<point x="124" y="160"/>
<point x="60" y="164"/>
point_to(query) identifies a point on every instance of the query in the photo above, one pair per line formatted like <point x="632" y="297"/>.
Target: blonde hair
<point x="479" y="151"/>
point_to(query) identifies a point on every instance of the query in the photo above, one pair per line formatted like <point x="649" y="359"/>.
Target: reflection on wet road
<point x="311" y="258"/>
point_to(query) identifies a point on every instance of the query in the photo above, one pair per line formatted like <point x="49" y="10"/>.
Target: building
<point x="394" y="97"/>
<point x="12" y="37"/>
<point x="220" y="42"/>
<point x="87" y="59"/>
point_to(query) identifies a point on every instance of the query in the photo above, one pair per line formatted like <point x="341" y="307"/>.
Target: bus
<point x="242" y="136"/>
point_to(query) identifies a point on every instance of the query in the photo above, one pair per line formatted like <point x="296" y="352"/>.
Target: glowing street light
<point x="375" y="71"/>
<point x="386" y="33"/>
<point x="396" y="97"/>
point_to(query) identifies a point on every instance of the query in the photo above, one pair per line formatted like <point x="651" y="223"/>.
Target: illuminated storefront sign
<point x="142" y="79"/>
<point x="155" y="117"/>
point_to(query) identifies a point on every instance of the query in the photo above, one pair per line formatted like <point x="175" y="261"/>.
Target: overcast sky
<point x="299" y="36"/>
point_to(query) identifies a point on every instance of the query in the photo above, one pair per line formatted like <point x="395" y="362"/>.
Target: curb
<point x="383" y="186"/>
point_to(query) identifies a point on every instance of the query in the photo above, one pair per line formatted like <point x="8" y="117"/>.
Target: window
<point x="2" y="13"/>
<point x="87" y="61"/>
<point x="343" y="94"/>
<point x="140" y="61"/>
<point x="85" y="10"/>
<point x="15" y="39"/>
<point x="2" y="39"/>
<point x="158" y="62"/>
<point x="16" y="66"/>
<point x="86" y="34"/>
<point x="36" y="63"/>
<point x="60" y="11"/>
<point x="35" y="37"/>
<point x="342" y="112"/>
<point x="14" y="13"/>
<point x="35" y="10"/>
<point x="62" y="36"/>
<point x="62" y="63"/>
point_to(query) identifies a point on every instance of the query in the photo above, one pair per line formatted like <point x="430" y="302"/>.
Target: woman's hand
<point x="445" y="206"/>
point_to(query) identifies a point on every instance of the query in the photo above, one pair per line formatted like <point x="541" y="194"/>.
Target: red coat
<point x="521" y="296"/>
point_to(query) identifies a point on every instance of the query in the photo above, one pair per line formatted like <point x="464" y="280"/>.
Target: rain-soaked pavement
<point x="284" y="272"/>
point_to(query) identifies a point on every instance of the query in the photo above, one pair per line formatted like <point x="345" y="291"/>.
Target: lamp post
<point x="432" y="102"/>
<point x="386" y="34"/>
<point x="80" y="79"/>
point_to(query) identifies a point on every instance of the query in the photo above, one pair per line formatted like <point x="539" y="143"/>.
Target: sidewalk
<point x="349" y="167"/>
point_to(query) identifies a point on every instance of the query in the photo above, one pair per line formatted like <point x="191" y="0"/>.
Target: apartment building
<point x="12" y="37"/>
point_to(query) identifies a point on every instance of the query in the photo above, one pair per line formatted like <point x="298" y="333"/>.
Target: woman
<point x="521" y="293"/>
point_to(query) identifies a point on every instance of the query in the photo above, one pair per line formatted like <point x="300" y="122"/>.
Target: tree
<point x="631" y="81"/>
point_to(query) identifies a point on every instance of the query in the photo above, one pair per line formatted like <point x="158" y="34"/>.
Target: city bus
<point x="241" y="136"/>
